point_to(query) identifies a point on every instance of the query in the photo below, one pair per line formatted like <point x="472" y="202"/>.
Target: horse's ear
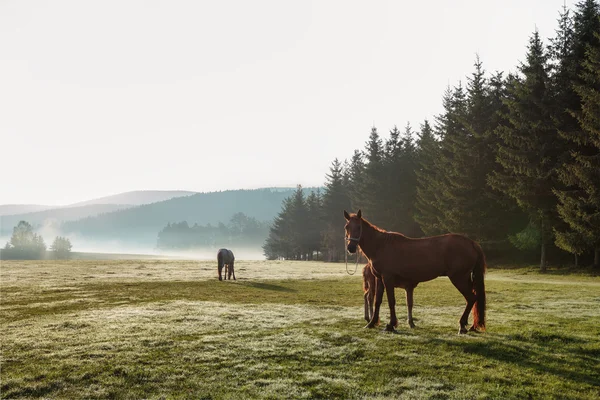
<point x="346" y="215"/>
<point x="359" y="214"/>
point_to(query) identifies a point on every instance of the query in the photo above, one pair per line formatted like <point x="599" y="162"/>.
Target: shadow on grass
<point x="541" y="352"/>
<point x="268" y="286"/>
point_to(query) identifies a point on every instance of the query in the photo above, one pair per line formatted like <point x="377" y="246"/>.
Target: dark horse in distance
<point x="400" y="261"/>
<point x="225" y="258"/>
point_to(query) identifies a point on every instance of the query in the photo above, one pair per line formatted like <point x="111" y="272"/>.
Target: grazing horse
<point x="399" y="261"/>
<point x="225" y="258"/>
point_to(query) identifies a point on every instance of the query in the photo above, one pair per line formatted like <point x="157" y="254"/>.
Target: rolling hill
<point x="11" y="209"/>
<point x="141" y="224"/>
<point x="53" y="218"/>
<point x="136" y="198"/>
<point x="48" y="216"/>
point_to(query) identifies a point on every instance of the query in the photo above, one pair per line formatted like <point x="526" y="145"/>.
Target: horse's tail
<point x="479" y="288"/>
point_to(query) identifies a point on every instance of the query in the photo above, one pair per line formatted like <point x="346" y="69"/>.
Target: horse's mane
<point x="388" y="234"/>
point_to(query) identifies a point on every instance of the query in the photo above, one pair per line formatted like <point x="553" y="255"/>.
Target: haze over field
<point x="106" y="97"/>
<point x="105" y="226"/>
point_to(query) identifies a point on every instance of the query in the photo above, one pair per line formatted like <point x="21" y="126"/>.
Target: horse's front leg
<point x="378" y="299"/>
<point x="409" y="304"/>
<point x="391" y="297"/>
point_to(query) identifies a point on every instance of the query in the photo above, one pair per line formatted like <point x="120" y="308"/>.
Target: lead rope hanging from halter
<point x="346" y="257"/>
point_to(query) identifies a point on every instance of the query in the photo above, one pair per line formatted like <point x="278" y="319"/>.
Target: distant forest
<point x="202" y="212"/>
<point x="513" y="161"/>
<point x="242" y="231"/>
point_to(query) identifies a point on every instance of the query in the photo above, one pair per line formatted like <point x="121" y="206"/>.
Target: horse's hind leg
<point x="233" y="271"/>
<point x="464" y="284"/>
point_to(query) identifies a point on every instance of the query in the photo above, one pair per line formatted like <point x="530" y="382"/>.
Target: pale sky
<point x="103" y="97"/>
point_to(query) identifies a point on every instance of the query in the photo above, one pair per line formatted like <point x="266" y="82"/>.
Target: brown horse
<point x="369" y="286"/>
<point x="400" y="261"/>
<point x="368" y="291"/>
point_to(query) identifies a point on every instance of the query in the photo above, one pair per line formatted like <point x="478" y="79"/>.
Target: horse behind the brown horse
<point x="368" y="290"/>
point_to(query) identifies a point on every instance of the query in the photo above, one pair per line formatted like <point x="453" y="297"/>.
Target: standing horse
<point x="400" y="261"/>
<point x="225" y="258"/>
<point x="368" y="291"/>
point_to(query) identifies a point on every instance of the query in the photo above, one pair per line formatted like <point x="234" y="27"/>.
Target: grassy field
<point x="286" y="330"/>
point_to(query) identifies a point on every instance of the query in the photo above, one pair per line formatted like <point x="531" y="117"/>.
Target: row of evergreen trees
<point x="511" y="158"/>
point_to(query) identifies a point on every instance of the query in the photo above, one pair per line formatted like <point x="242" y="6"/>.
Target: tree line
<point x="241" y="230"/>
<point x="25" y="244"/>
<point x="512" y="161"/>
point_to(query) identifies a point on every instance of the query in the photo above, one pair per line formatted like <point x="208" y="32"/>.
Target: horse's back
<point x="226" y="255"/>
<point x="424" y="259"/>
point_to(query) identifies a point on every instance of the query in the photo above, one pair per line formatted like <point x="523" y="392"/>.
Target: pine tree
<point x="406" y="193"/>
<point x="580" y="207"/>
<point x="390" y="201"/>
<point x="354" y="175"/>
<point x="427" y="215"/>
<point x="335" y="201"/>
<point x="279" y="243"/>
<point x="298" y="217"/>
<point x="454" y="190"/>
<point x="578" y="204"/>
<point x="529" y="149"/>
<point x="314" y="223"/>
<point x="372" y="190"/>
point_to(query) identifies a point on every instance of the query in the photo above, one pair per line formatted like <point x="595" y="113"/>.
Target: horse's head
<point x="353" y="230"/>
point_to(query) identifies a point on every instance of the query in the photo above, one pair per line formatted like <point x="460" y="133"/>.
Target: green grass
<point x="169" y="329"/>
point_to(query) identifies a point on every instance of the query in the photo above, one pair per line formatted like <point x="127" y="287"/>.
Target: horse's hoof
<point x="389" y="328"/>
<point x="474" y="329"/>
<point x="462" y="330"/>
<point x="412" y="325"/>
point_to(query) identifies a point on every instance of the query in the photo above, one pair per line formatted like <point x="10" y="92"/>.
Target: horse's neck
<point x="369" y="240"/>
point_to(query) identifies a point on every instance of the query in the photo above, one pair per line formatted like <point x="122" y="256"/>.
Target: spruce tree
<point x="314" y="223"/>
<point x="528" y="150"/>
<point x="279" y="243"/>
<point x="454" y="188"/>
<point x="372" y="189"/>
<point x="354" y="175"/>
<point x="578" y="205"/>
<point x="298" y="229"/>
<point x="427" y="214"/>
<point x="335" y="201"/>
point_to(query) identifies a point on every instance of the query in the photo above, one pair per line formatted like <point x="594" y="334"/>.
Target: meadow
<point x="168" y="329"/>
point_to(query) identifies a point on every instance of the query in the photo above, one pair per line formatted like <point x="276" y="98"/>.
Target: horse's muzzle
<point x="351" y="247"/>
